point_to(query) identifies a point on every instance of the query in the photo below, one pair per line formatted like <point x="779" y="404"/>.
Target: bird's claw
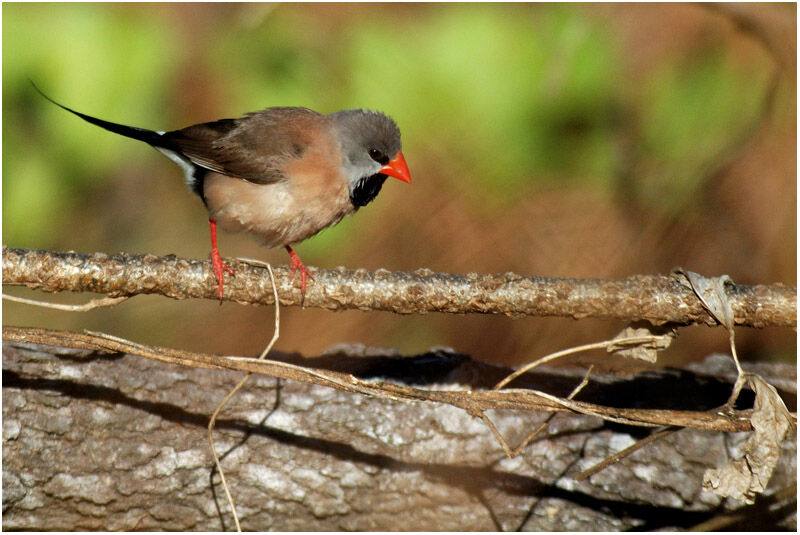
<point x="218" y="266"/>
<point x="297" y="265"/>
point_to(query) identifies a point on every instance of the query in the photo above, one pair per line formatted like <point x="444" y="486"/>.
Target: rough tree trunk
<point x="115" y="442"/>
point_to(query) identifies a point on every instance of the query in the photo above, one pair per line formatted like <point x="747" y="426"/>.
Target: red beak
<point x="397" y="168"/>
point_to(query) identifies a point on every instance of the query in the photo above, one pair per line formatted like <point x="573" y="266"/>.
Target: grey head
<point x="370" y="142"/>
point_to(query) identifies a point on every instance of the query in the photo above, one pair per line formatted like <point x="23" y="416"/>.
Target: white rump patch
<point x="184" y="163"/>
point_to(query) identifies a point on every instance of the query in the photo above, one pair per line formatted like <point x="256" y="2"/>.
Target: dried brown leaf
<point x="743" y="478"/>
<point x="711" y="292"/>
<point x="642" y="342"/>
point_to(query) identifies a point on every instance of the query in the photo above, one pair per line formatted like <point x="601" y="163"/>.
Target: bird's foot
<point x="217" y="265"/>
<point x="297" y="265"/>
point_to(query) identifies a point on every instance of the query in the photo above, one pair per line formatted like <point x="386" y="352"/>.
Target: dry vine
<point x="474" y="402"/>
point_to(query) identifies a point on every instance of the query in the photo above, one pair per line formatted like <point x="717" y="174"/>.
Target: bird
<point x="282" y="174"/>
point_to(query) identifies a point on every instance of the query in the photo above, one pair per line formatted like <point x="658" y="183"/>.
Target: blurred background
<point x="559" y="140"/>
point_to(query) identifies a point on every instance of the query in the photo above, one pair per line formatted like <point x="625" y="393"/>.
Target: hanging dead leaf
<point x="743" y="478"/>
<point x="711" y="292"/>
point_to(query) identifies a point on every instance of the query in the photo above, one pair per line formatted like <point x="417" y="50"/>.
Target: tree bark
<point x="96" y="441"/>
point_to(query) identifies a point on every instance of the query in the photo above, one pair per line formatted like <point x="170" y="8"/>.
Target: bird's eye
<point x="378" y="156"/>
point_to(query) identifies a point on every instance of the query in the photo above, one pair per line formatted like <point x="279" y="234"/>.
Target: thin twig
<point x="327" y="378"/>
<point x="741" y="378"/>
<point x="91" y="305"/>
<point x="588" y="410"/>
<point x="490" y="424"/>
<point x="235" y="389"/>
<point x="617" y="457"/>
<point x="572" y="350"/>
<point x="550" y="416"/>
<point x="516" y="451"/>
<point x="144" y="350"/>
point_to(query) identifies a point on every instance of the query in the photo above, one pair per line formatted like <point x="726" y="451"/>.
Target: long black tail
<point x="142" y="134"/>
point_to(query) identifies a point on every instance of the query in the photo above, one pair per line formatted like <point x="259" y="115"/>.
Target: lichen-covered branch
<point x="658" y="299"/>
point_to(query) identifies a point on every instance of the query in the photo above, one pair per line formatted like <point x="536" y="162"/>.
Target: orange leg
<point x="296" y="264"/>
<point x="216" y="259"/>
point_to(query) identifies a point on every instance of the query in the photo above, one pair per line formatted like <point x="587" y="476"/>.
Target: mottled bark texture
<point x="654" y="298"/>
<point x="97" y="441"/>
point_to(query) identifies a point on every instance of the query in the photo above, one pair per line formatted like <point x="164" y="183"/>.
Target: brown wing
<point x="255" y="147"/>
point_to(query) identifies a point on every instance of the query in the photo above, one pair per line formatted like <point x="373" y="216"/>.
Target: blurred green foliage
<point x="105" y="61"/>
<point x="694" y="109"/>
<point x="513" y="94"/>
<point x="501" y="88"/>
